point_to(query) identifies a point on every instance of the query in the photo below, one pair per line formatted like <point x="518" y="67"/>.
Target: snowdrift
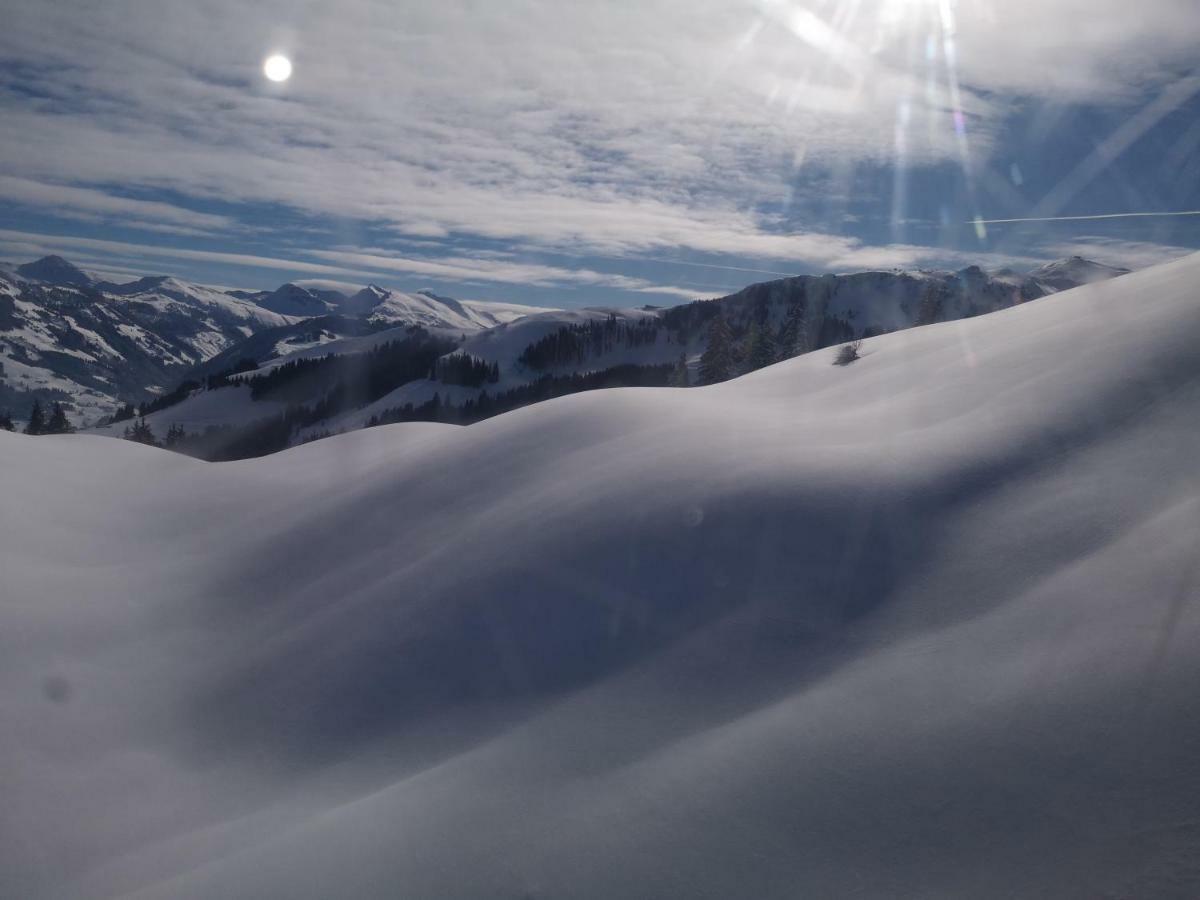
<point x="921" y="626"/>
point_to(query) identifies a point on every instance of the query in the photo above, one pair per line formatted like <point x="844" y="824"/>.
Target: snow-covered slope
<point x="94" y="345"/>
<point x="294" y="300"/>
<point x="91" y="344"/>
<point x="430" y="310"/>
<point x="920" y="626"/>
<point x="1064" y="274"/>
<point x="503" y="346"/>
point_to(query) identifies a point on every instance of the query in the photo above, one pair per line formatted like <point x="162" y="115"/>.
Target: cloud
<point x="66" y="244"/>
<point x="606" y="129"/>
<point x="599" y="109"/>
<point x="1117" y="252"/>
<point x="97" y="205"/>
<point x="366" y="264"/>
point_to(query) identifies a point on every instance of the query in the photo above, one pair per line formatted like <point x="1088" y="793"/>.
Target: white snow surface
<point x="203" y="409"/>
<point x="432" y="310"/>
<point x="921" y="626"/>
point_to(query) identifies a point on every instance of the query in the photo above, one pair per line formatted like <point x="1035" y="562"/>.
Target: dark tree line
<point x="545" y="388"/>
<point x="126" y="412"/>
<point x="759" y="344"/>
<point x="225" y="376"/>
<point x="358" y="378"/>
<point x="178" y="395"/>
<point x="466" y="370"/>
<point x="315" y="390"/>
<point x="572" y="344"/>
<point x="182" y="391"/>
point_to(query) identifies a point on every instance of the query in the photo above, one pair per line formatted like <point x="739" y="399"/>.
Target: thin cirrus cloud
<point x="346" y="262"/>
<point x="149" y="215"/>
<point x="1114" y="251"/>
<point x="651" y="129"/>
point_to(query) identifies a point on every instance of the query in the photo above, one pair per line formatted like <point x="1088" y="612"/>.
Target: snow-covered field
<point x="921" y="626"/>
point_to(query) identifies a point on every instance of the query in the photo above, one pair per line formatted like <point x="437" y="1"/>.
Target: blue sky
<point x="566" y="153"/>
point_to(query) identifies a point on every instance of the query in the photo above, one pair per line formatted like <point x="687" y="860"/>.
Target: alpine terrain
<point x="380" y="356"/>
<point x="919" y="624"/>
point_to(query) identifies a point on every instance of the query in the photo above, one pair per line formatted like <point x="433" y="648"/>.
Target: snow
<point x="425" y="308"/>
<point x="172" y="324"/>
<point x="292" y="299"/>
<point x="227" y="406"/>
<point x="502" y="344"/>
<point x="505" y="344"/>
<point x="914" y="627"/>
<point x="497" y="313"/>
<point x="1063" y="274"/>
<point x="163" y="292"/>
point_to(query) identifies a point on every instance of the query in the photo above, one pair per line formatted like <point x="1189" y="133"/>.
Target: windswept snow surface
<point x="922" y="626"/>
<point x="384" y="306"/>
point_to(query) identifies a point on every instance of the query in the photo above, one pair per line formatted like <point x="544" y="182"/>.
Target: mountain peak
<point x="290" y="289"/>
<point x="365" y="300"/>
<point x="1074" y="270"/>
<point x="54" y="270"/>
<point x="291" y="299"/>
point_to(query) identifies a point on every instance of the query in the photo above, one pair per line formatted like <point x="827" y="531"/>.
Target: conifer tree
<point x="124" y="412"/>
<point x="141" y="433"/>
<point x="6" y="422"/>
<point x="59" y="423"/>
<point x="679" y="375"/>
<point x="175" y="435"/>
<point x="793" y="334"/>
<point x="716" y="363"/>
<point x="37" y="419"/>
<point x="760" y="347"/>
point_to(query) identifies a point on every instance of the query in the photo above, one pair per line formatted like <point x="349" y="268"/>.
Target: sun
<point x="277" y="67"/>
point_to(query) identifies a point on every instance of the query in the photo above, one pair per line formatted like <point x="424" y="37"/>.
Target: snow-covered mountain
<point x="549" y="353"/>
<point x="918" y="626"/>
<point x="65" y="337"/>
<point x="95" y="345"/>
<point x="54" y="270"/>
<point x="1067" y="273"/>
<point x="293" y="300"/>
<point x="387" y="307"/>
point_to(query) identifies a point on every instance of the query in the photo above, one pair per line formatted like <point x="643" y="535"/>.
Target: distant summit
<point x="293" y="300"/>
<point x="365" y="301"/>
<point x="1063" y="274"/>
<point x="54" y="270"/>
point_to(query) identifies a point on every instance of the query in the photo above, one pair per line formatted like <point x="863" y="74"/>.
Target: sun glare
<point x="277" y="68"/>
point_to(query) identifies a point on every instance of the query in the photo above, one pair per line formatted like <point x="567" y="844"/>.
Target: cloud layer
<point x="595" y="129"/>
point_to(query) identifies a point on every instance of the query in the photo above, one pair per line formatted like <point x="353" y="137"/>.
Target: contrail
<point x="1124" y="215"/>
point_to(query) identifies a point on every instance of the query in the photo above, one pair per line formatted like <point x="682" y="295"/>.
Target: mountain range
<point x="96" y="345"/>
